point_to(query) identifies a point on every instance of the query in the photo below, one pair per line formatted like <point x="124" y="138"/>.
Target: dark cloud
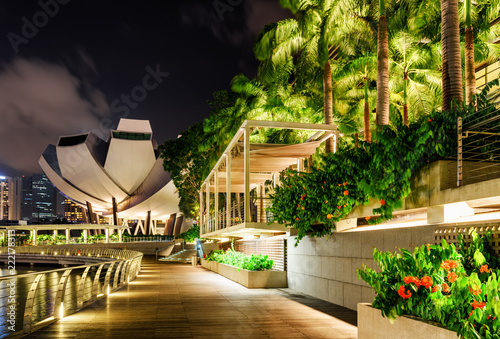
<point x="39" y="102"/>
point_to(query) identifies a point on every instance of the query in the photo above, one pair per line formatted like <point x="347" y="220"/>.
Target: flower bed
<point x="455" y="288"/>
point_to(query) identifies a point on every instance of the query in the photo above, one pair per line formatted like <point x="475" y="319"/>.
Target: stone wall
<point x="325" y="268"/>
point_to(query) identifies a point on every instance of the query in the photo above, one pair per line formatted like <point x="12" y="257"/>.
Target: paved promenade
<point x="169" y="300"/>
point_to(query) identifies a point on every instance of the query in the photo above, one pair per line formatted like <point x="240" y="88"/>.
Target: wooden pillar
<point x="228" y="189"/>
<point x="216" y="199"/>
<point x="115" y="210"/>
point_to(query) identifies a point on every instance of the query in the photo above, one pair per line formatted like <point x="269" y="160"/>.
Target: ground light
<point x="61" y="310"/>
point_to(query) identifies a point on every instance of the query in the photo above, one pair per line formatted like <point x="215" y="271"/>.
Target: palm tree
<point x="470" y="74"/>
<point x="415" y="67"/>
<point x="382" y="68"/>
<point x="355" y="84"/>
<point x="450" y="53"/>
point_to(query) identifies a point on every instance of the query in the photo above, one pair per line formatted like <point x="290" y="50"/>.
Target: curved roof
<point x="85" y="168"/>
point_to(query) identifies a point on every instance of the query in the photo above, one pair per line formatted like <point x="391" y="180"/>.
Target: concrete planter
<point x="371" y="325"/>
<point x="249" y="279"/>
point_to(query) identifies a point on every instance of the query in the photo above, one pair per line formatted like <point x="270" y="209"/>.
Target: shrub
<point x="254" y="262"/>
<point x="458" y="289"/>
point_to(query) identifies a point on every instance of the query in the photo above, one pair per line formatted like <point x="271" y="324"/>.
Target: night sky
<point x="73" y="66"/>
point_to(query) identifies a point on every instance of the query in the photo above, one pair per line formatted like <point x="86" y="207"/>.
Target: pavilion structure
<point x="235" y="195"/>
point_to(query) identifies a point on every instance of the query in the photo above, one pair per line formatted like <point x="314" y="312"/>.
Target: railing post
<point x="459" y="151"/>
<point x="61" y="289"/>
<point x="95" y="285"/>
<point x="247" y="217"/>
<point x="81" y="287"/>
<point x="108" y="277"/>
<point x="117" y="275"/>
<point x="216" y="199"/>
<point x="28" y="309"/>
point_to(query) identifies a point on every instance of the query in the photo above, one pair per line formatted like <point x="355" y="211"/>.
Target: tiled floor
<point x="169" y="300"/>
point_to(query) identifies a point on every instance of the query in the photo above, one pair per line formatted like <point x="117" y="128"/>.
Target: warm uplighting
<point x="61" y="310"/>
<point x="108" y="291"/>
<point x="67" y="253"/>
<point x="100" y="295"/>
<point x="42" y="252"/>
<point x="55" y="253"/>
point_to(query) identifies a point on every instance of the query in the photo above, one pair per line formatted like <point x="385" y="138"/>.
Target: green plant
<point x="254" y="262"/>
<point x="191" y="234"/>
<point x="434" y="284"/>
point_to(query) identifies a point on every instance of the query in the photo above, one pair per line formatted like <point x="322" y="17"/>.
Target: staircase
<point x="183" y="256"/>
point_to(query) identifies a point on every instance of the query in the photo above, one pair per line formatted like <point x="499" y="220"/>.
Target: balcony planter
<point x="249" y="279"/>
<point x="372" y="325"/>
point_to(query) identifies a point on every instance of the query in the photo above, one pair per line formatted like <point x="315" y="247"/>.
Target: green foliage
<point x="465" y="301"/>
<point x="382" y="170"/>
<point x="253" y="262"/>
<point x="191" y="234"/>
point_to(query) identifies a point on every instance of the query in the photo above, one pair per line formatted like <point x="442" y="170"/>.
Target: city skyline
<point x="71" y="67"/>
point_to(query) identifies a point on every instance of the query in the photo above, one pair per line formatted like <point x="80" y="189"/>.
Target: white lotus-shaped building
<point x="124" y="173"/>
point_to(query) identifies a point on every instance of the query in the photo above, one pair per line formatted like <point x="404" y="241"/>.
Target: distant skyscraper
<point x="4" y="198"/>
<point x="38" y="198"/>
<point x="10" y="198"/>
<point x="15" y="193"/>
<point x="72" y="211"/>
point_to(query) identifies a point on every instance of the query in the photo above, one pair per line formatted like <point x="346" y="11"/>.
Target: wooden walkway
<point x="169" y="300"/>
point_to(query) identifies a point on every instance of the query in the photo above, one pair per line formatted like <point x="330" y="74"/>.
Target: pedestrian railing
<point x="29" y="301"/>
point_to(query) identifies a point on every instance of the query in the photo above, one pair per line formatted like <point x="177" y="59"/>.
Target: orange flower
<point x="446" y="288"/>
<point x="345" y="183"/>
<point x="484" y="269"/>
<point x="382" y="201"/>
<point x="346" y="192"/>
<point x="452" y="276"/>
<point x="449" y="264"/>
<point x="475" y="292"/>
<point x="297" y="218"/>
<point x="435" y="289"/>
<point x="338" y="207"/>
<point x="402" y="293"/>
<point x="340" y="184"/>
<point x="303" y="208"/>
<point x="367" y="218"/>
<point x="329" y="216"/>
<point x="409" y="280"/>
<point x="326" y="201"/>
<point x="299" y="205"/>
<point x="426" y="281"/>
<point x="477" y="304"/>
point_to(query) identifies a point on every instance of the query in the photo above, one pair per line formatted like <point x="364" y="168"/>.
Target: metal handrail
<point x="104" y="277"/>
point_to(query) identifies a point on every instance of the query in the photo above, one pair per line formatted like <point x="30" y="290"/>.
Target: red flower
<point x="402" y="293"/>
<point x="475" y="292"/>
<point x="426" y="281"/>
<point x="367" y="218"/>
<point x="484" y="269"/>
<point x="329" y="216"/>
<point x="326" y="201"/>
<point x="346" y="192"/>
<point x="338" y="207"/>
<point x="297" y="218"/>
<point x="382" y="201"/>
<point x="435" y="289"/>
<point x="430" y="120"/>
<point x="415" y="280"/>
<point x="452" y="276"/>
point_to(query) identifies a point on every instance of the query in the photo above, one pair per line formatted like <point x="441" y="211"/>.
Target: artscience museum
<point x="121" y="179"/>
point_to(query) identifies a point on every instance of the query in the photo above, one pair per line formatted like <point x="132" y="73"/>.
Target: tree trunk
<point x="327" y="92"/>
<point x="382" y="71"/>
<point x="368" y="136"/>
<point x="405" y="99"/>
<point x="450" y="52"/>
<point x="470" y="73"/>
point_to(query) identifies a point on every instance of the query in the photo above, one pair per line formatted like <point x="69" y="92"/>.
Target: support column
<point x="67" y="235"/>
<point x="55" y="235"/>
<point x="85" y="232"/>
<point x="120" y="233"/>
<point x="107" y="235"/>
<point x="246" y="199"/>
<point x="35" y="235"/>
<point x="202" y="229"/>
<point x="216" y="200"/>
<point x="228" y="189"/>
<point x="459" y="150"/>
<point x="148" y="223"/>
<point x="207" y="205"/>
<point x="115" y="209"/>
<point x="90" y="213"/>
